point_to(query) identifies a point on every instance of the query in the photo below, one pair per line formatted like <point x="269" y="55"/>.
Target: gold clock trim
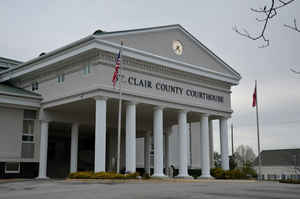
<point x="177" y="47"/>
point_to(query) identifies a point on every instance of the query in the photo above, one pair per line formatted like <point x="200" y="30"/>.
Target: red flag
<point x="254" y="97"/>
<point x="115" y="75"/>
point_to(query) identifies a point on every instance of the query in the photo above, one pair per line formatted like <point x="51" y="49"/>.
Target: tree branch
<point x="294" y="27"/>
<point x="269" y="13"/>
<point x="296" y="72"/>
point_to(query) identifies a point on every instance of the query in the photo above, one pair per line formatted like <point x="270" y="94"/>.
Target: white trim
<point x="87" y="46"/>
<point x="90" y="43"/>
<point x="18" y="102"/>
<point x="20" y="95"/>
<point x="142" y="30"/>
<point x="15" y="171"/>
<point x="172" y="27"/>
<point x="170" y="63"/>
<point x="83" y="40"/>
<point x="107" y="91"/>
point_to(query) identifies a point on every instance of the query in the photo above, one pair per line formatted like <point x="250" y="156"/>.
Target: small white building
<point x="59" y="111"/>
<point x="279" y="164"/>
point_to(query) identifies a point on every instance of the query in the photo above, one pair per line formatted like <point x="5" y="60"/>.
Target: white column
<point x="183" y="144"/>
<point x="189" y="154"/>
<point x="147" y="150"/>
<point x="204" y="139"/>
<point x="100" y="134"/>
<point x="43" y="150"/>
<point x="224" y="143"/>
<point x="167" y="152"/>
<point x="158" y="142"/>
<point x="74" y="148"/>
<point x="130" y="137"/>
<point x="211" y="143"/>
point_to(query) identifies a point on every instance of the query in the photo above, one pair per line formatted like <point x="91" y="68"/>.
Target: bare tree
<point x="244" y="155"/>
<point x="217" y="159"/>
<point x="296" y="72"/>
<point x="266" y="14"/>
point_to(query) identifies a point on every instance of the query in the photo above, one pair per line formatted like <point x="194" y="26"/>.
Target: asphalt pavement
<point x="68" y="189"/>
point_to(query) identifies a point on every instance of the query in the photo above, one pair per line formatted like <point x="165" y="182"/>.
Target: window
<point x="12" y="167"/>
<point x="35" y="86"/>
<point x="60" y="78"/>
<point x="28" y="134"/>
<point x="87" y="69"/>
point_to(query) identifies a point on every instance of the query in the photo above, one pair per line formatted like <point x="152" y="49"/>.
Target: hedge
<point x="102" y="175"/>
<point x="219" y="173"/>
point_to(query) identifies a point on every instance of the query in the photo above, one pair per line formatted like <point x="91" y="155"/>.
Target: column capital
<point x="183" y="111"/>
<point x="158" y="107"/>
<point x="224" y="117"/>
<point x="204" y="114"/>
<point x="100" y="98"/>
<point x="131" y="103"/>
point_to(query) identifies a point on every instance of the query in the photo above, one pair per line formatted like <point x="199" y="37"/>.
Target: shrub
<point x="217" y="173"/>
<point x="195" y="173"/>
<point x="131" y="175"/>
<point x="249" y="172"/>
<point x="146" y="176"/>
<point x="81" y="175"/>
<point x="102" y="175"/>
<point x="107" y="175"/>
<point x="236" y="174"/>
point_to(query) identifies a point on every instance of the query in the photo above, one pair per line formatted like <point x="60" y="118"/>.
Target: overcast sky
<point x="31" y="27"/>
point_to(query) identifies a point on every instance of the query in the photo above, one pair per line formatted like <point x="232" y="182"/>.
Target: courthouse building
<point x="59" y="111"/>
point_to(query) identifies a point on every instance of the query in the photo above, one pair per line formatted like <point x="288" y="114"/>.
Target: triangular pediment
<point x="159" y="41"/>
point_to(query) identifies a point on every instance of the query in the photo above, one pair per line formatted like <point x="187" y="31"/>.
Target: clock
<point x="177" y="47"/>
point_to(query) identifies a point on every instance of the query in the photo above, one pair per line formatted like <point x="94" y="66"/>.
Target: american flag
<point x="115" y="75"/>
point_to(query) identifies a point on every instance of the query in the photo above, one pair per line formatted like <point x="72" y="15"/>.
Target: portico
<point x="139" y="120"/>
<point x="169" y="79"/>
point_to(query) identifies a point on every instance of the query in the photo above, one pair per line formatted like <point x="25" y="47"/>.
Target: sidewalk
<point x="163" y="180"/>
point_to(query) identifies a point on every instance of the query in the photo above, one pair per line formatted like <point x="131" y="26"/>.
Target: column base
<point x="206" y="177"/>
<point x="42" y="178"/>
<point x="184" y="177"/>
<point x="159" y="175"/>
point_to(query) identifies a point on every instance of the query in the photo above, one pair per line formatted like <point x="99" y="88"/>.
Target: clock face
<point x="177" y="47"/>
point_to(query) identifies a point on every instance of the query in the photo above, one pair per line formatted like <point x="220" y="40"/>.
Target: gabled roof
<point x="6" y="63"/>
<point x="93" y="41"/>
<point x="15" y="91"/>
<point x="100" y="33"/>
<point x="280" y="157"/>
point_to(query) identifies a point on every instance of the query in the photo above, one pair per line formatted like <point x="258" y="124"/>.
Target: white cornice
<point x="89" y="44"/>
<point x="47" y="55"/>
<point x="171" y="27"/>
<point x="100" y="90"/>
<point x="174" y="64"/>
<point x="21" y="95"/>
<point x="18" y="102"/>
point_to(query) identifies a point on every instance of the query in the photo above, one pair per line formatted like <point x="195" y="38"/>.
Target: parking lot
<point x="64" y="189"/>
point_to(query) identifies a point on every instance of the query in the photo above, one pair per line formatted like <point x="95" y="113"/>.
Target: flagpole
<point x="258" y="136"/>
<point x="120" y="111"/>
